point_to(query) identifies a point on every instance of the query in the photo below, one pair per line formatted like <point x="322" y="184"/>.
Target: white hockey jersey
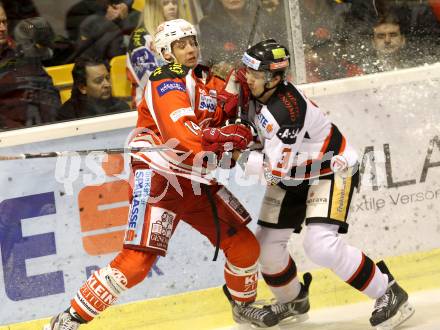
<point x="298" y="139"/>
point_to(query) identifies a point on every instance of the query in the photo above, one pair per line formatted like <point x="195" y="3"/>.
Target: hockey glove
<point x="227" y="138"/>
<point x="244" y="122"/>
<point x="228" y="98"/>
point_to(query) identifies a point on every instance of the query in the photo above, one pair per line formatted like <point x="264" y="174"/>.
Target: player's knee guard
<point x="134" y="264"/>
<point x="242" y="248"/>
<point x="322" y="244"/>
<point x="242" y="282"/>
<point x="274" y="255"/>
<point x="100" y="291"/>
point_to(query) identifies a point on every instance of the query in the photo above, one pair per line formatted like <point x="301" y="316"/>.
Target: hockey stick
<point x="254" y="25"/>
<point x="53" y="154"/>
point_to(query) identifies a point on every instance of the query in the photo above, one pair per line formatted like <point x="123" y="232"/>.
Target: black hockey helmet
<point x="267" y="55"/>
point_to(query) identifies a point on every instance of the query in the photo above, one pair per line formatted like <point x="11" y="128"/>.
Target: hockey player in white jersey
<point x="312" y="173"/>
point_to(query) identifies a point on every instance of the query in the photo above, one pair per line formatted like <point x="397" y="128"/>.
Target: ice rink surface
<point x="208" y="310"/>
<point x="355" y="316"/>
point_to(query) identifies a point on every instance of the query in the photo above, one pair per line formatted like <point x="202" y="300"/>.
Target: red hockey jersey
<point x="178" y="103"/>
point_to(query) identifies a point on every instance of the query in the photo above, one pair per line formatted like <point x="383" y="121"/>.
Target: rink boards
<point x="61" y="219"/>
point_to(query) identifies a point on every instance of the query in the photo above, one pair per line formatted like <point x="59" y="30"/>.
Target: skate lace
<point x="278" y="308"/>
<point x="254" y="313"/>
<point x="69" y="326"/>
<point x="382" y="302"/>
<point x="68" y="323"/>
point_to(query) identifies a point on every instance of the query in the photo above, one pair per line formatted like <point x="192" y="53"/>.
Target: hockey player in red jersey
<point x="180" y="98"/>
<point x="312" y="172"/>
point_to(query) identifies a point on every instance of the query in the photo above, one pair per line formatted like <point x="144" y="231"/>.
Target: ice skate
<point x="63" y="321"/>
<point x="393" y="308"/>
<point x="294" y="311"/>
<point x="247" y="313"/>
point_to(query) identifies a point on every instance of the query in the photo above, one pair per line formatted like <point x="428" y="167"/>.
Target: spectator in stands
<point x="225" y="31"/>
<point x="91" y="91"/>
<point x="27" y="94"/>
<point x="116" y="10"/>
<point x="157" y="12"/>
<point x="103" y="27"/>
<point x="6" y="43"/>
<point x="389" y="46"/>
<point x="417" y="19"/>
<point x="142" y="59"/>
<point x="22" y="9"/>
<point x="206" y="5"/>
<point x="100" y="38"/>
<point x="18" y="10"/>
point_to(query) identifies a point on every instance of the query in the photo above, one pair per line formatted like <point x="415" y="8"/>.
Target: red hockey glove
<point x="228" y="98"/>
<point x="228" y="102"/>
<point x="226" y="138"/>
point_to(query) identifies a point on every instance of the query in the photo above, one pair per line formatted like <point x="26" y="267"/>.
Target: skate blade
<point x="294" y="319"/>
<point x="248" y="326"/>
<point x="275" y="327"/>
<point x="245" y="325"/>
<point x="403" y="314"/>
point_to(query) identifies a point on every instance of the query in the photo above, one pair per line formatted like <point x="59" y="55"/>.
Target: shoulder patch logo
<point x="177" y="69"/>
<point x="157" y="72"/>
<point x="169" y="86"/>
<point x="288" y="134"/>
<point x="169" y="71"/>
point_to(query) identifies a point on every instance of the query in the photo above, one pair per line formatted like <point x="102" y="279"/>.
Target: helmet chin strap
<point x="265" y="90"/>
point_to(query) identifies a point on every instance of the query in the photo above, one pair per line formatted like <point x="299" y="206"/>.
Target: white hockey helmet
<point x="170" y="31"/>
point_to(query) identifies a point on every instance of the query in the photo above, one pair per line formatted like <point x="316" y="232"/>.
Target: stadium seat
<point x="62" y="79"/>
<point x="138" y="5"/>
<point x="121" y="86"/>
